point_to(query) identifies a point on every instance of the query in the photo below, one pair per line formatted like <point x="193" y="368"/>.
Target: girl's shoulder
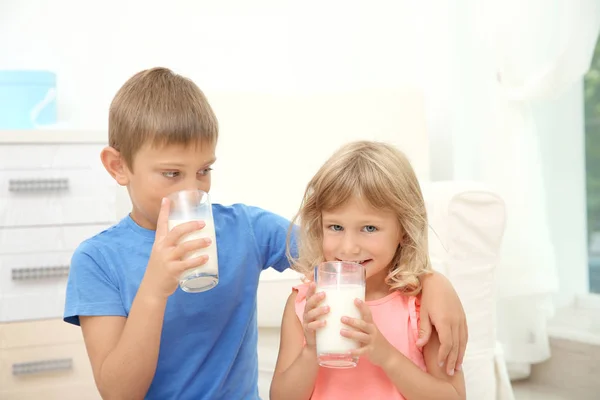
<point x="300" y="291"/>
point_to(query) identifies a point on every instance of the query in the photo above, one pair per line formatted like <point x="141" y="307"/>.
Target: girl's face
<point x="360" y="233"/>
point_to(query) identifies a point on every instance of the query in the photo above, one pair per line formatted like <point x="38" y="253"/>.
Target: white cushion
<point x="273" y="290"/>
<point x="466" y="227"/>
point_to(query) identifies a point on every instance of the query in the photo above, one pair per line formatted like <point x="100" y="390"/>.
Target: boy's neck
<point x="141" y="220"/>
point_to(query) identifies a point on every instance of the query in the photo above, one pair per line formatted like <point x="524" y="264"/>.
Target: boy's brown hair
<point x="159" y="107"/>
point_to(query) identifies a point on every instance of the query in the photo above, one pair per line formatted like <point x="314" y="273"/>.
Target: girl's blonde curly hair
<point x="382" y="175"/>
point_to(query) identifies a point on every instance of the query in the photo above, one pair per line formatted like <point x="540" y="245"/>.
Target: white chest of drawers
<point x="54" y="193"/>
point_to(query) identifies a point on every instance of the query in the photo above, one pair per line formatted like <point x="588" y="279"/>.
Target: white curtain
<point x="517" y="52"/>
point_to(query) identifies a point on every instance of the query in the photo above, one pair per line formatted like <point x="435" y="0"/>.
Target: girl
<point x="364" y="205"/>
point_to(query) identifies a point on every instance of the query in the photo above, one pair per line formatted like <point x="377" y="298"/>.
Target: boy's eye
<point x="336" y="228"/>
<point x="170" y="174"/>
<point x="370" y="229"/>
<point x="205" y="171"/>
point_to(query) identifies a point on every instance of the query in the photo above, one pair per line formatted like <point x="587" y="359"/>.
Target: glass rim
<point x="189" y="196"/>
<point x="179" y="192"/>
<point x="338" y="267"/>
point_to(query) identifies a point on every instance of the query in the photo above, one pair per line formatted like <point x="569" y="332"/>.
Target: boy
<point x="145" y="338"/>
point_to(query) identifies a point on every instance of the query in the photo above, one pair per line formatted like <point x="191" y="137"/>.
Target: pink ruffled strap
<point x="300" y="299"/>
<point x="301" y="290"/>
<point x="414" y="312"/>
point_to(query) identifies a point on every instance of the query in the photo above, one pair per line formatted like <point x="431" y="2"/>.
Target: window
<point x="592" y="161"/>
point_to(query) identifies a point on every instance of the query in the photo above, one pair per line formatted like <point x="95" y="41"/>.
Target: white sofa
<point x="466" y="227"/>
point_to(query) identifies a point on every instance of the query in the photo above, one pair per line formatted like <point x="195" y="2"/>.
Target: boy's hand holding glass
<point x="167" y="260"/>
<point x="195" y="205"/>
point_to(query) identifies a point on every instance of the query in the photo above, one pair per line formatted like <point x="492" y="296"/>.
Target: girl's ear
<point x="401" y="236"/>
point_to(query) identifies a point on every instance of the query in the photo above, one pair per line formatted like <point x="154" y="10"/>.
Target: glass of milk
<point x="194" y="205"/>
<point x="342" y="282"/>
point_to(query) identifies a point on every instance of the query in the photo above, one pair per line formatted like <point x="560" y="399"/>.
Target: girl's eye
<point x="205" y="171"/>
<point x="336" y="228"/>
<point x="370" y="229"/>
<point x="171" y="174"/>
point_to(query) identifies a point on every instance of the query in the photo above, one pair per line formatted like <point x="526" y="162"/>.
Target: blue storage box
<point x="27" y="99"/>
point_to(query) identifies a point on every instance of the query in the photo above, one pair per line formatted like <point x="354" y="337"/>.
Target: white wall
<point x="272" y="144"/>
<point x="289" y="80"/>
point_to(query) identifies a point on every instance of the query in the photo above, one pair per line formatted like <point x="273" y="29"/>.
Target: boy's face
<point x="160" y="171"/>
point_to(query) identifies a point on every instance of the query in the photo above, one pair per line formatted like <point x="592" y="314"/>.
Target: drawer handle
<point x="40" y="367"/>
<point x="38" y="185"/>
<point x="35" y="273"/>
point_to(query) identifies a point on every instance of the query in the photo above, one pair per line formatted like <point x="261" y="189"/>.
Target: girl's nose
<point x="350" y="246"/>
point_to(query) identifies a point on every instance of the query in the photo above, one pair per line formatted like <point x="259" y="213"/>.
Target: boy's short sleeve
<point x="90" y="289"/>
<point x="270" y="232"/>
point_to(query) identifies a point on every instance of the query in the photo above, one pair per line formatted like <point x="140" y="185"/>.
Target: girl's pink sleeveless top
<point x="397" y="318"/>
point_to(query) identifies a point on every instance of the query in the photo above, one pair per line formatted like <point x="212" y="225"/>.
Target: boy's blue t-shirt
<point x="208" y="347"/>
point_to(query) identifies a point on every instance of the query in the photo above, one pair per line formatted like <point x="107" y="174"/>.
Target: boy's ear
<point x="115" y="165"/>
